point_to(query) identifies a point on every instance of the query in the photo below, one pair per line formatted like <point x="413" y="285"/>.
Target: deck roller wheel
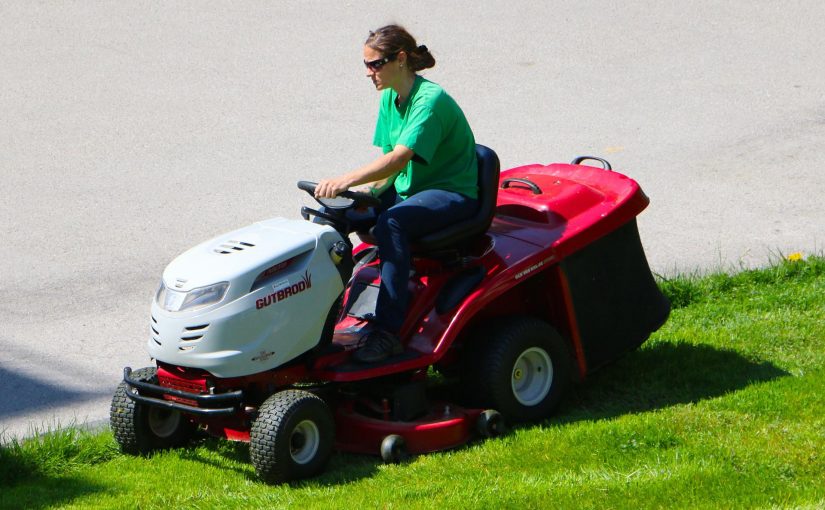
<point x="490" y="424"/>
<point x="394" y="449"/>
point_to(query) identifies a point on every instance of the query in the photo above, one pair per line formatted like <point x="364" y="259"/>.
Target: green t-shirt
<point x="431" y="124"/>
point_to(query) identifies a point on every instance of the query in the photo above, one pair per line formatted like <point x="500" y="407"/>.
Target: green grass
<point x="724" y="407"/>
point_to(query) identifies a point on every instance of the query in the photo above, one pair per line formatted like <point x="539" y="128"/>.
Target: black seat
<point x="456" y="233"/>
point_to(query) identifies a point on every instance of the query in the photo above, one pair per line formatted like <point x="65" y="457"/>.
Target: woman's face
<point x="383" y="74"/>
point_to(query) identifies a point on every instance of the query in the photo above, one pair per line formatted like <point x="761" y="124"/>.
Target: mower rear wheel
<point x="292" y="437"/>
<point x="521" y="367"/>
<point x="140" y="429"/>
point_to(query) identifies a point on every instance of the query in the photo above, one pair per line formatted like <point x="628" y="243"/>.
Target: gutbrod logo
<point x="283" y="290"/>
<point x="532" y="268"/>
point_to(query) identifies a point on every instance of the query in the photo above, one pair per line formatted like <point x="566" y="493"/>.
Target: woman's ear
<point x="402" y="58"/>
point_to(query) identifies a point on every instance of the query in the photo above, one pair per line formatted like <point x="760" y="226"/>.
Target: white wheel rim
<point x="532" y="376"/>
<point x="163" y="422"/>
<point x="304" y="442"/>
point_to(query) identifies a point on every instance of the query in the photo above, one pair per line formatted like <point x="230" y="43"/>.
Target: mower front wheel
<point x="140" y="429"/>
<point x="292" y="437"/>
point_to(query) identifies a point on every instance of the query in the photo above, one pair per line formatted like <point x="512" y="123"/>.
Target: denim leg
<point x="408" y="220"/>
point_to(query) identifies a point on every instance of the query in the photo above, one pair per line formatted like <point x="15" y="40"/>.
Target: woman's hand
<point x="330" y="188"/>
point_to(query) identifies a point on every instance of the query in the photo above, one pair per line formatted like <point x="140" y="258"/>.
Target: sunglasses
<point x="376" y="65"/>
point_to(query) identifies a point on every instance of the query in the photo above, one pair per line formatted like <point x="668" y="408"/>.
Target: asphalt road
<point x="130" y="131"/>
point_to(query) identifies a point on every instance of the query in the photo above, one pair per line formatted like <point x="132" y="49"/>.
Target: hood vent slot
<point x="228" y="247"/>
<point x="155" y="333"/>
<point x="192" y="334"/>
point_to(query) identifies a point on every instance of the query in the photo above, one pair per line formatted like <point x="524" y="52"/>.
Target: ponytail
<point x="420" y="58"/>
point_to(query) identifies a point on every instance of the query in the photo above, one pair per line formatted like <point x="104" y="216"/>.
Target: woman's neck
<point x="404" y="87"/>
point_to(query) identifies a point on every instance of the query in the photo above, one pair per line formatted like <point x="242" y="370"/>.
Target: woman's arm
<point x="376" y="188"/>
<point x="382" y="168"/>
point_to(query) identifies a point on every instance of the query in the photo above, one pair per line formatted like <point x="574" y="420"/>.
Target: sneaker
<point x="378" y="345"/>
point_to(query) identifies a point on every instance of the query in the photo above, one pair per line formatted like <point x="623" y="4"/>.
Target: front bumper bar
<point x="220" y="404"/>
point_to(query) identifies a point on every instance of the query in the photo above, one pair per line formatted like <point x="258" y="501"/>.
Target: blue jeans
<point x="399" y="223"/>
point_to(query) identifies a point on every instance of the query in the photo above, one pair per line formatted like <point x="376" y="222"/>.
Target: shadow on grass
<point x="663" y="375"/>
<point x="14" y="467"/>
<point x="342" y="468"/>
<point x="47" y="492"/>
<point x="232" y="453"/>
<point x="23" y="485"/>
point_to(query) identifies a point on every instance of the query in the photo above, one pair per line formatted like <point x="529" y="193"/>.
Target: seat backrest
<point x="456" y="233"/>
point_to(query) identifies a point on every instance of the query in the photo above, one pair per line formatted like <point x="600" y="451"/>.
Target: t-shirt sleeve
<point x="422" y="133"/>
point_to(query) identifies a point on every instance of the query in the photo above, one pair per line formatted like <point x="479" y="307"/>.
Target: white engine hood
<point x="235" y="255"/>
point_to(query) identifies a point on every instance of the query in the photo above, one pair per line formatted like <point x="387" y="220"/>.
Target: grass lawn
<point x="724" y="407"/>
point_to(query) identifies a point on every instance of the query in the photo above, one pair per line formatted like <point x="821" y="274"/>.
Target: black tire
<point x="140" y="429"/>
<point x="292" y="437"/>
<point x="490" y="424"/>
<point x="394" y="449"/>
<point x="520" y="366"/>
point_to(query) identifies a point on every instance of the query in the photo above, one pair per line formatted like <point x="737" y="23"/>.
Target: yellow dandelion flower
<point x="794" y="257"/>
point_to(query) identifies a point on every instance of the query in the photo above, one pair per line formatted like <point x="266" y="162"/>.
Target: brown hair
<point x="391" y="39"/>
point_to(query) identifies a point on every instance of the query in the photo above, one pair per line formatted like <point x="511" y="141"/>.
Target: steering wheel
<point x="345" y="200"/>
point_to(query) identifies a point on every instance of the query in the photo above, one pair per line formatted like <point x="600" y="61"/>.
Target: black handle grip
<point x="362" y="198"/>
<point x="604" y="162"/>
<point x="307" y="186"/>
<point x="530" y="184"/>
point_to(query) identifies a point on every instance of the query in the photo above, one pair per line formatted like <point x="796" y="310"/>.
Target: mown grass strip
<point x="722" y="408"/>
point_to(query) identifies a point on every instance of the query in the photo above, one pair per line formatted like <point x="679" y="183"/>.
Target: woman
<point x="426" y="178"/>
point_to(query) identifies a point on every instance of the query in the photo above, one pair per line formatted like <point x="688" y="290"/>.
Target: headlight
<point x="174" y="301"/>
